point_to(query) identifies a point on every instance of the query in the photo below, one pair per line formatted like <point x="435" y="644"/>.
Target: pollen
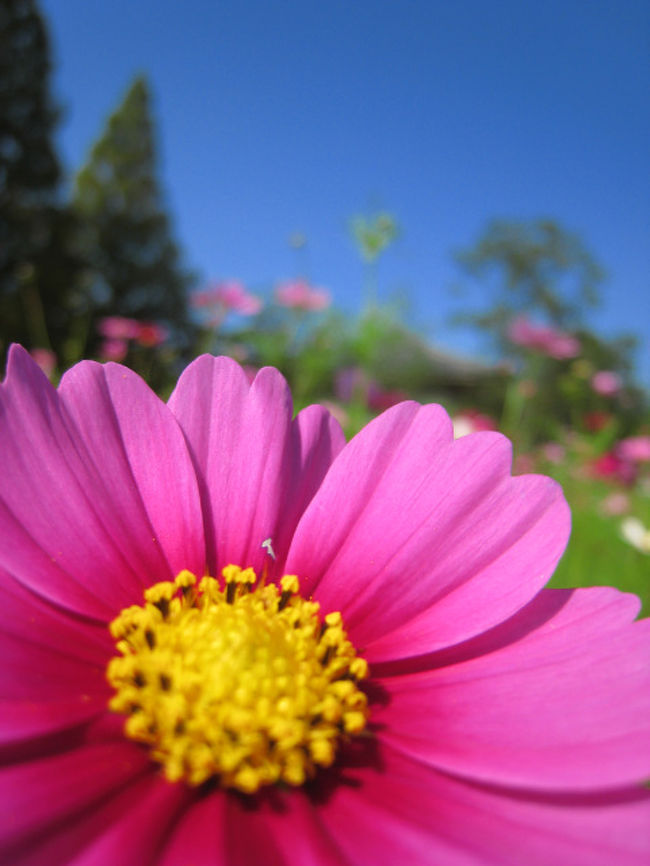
<point x="236" y="680"/>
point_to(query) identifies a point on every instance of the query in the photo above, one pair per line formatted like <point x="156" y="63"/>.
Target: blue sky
<point x="277" y="116"/>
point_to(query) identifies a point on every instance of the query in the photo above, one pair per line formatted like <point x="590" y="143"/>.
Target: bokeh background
<point x="429" y="200"/>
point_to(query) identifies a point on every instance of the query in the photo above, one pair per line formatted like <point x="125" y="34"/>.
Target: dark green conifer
<point x="134" y="260"/>
<point x="39" y="268"/>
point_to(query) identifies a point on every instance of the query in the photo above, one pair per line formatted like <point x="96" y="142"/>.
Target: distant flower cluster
<point x="231" y="296"/>
<point x="542" y="338"/>
<point x="118" y="332"/>
<point x="606" y="383"/>
<point x="226" y="296"/>
<point x="299" y="295"/>
<point x="622" y="462"/>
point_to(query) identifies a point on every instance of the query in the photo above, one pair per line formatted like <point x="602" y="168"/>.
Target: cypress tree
<point x="134" y="260"/>
<point x="39" y="269"/>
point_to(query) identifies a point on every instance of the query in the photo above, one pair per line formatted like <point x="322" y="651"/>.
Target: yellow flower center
<point x="236" y="680"/>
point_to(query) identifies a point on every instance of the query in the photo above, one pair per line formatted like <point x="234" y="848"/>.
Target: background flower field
<point x="90" y="268"/>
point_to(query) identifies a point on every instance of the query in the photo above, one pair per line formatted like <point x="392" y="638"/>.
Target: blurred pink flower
<point x="606" y="383"/>
<point x="554" y="452"/>
<point x="615" y="504"/>
<point x="595" y="421"/>
<point x="634" y="448"/>
<point x="46" y="360"/>
<point x="378" y="399"/>
<point x="354" y="384"/>
<point x="150" y="335"/>
<point x="113" y="350"/>
<point x="471" y="421"/>
<point x="351" y="383"/>
<point x="612" y="465"/>
<point x="542" y="338"/>
<point x="508" y="724"/>
<point x="227" y="296"/>
<point x="118" y="328"/>
<point x="523" y="464"/>
<point x="299" y="295"/>
<point x="337" y="411"/>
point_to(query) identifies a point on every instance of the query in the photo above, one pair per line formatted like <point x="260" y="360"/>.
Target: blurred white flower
<point x="636" y="534"/>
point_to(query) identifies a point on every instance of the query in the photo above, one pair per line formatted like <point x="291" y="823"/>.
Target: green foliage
<point x="40" y="269"/>
<point x="133" y="259"/>
<point x="596" y="554"/>
<point x="373" y="234"/>
<point x="535" y="267"/>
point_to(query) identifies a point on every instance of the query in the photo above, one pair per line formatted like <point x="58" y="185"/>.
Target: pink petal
<point x="34" y="621"/>
<point x="136" y="837"/>
<point x="198" y="836"/>
<point x="143" y="451"/>
<point x="284" y="830"/>
<point x="259" y="470"/>
<point x="316" y="438"/>
<point x="39" y="795"/>
<point x="24" y="719"/>
<point x="76" y="527"/>
<point x="64" y="841"/>
<point x="409" y="523"/>
<point x="409" y="813"/>
<point x="563" y="703"/>
<point x="53" y="671"/>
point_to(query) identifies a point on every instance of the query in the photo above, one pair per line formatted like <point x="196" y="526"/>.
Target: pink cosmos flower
<point x="113" y="350"/>
<point x="554" y="452"/>
<point x="299" y="295"/>
<point x="506" y="723"/>
<point x="118" y="328"/>
<point x="227" y="296"/>
<point x="636" y="449"/>
<point x="379" y="399"/>
<point x="612" y="465"/>
<point x="606" y="383"/>
<point x="615" y="504"/>
<point x="540" y="338"/>
<point x="150" y="334"/>
<point x="471" y="421"/>
<point x="46" y="360"/>
<point x="595" y="421"/>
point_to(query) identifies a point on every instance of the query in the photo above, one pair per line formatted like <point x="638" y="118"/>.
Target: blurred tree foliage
<point x="135" y="262"/>
<point x="40" y="267"/>
<point x="534" y="267"/>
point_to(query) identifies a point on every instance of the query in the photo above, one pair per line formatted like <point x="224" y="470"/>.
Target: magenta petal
<point x="40" y="794"/>
<point x="136" y="837"/>
<point x="310" y="842"/>
<point x="75" y="527"/>
<point x="566" y="705"/>
<point x="416" y="522"/>
<point x="61" y="843"/>
<point x="258" y="469"/>
<point x="282" y="833"/>
<point x="198" y="835"/>
<point x="52" y="675"/>
<point x="29" y="618"/>
<point x="144" y="460"/>
<point x="409" y="813"/>
<point x="315" y="440"/>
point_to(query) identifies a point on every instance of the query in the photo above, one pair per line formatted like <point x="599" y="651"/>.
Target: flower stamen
<point x="236" y="680"/>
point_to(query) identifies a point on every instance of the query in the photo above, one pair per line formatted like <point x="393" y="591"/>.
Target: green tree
<point x="537" y="268"/>
<point x="135" y="263"/>
<point x="40" y="292"/>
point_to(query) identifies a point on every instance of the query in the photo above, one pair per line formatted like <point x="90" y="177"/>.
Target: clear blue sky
<point x="276" y="116"/>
